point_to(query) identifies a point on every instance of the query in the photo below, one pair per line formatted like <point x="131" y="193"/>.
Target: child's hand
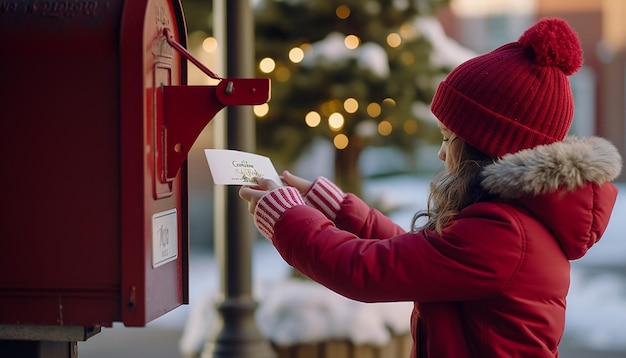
<point x="252" y="194"/>
<point x="301" y="184"/>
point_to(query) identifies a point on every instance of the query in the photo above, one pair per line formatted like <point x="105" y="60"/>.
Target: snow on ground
<point x="296" y="311"/>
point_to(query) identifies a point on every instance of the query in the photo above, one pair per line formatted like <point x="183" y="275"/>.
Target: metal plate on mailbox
<point x="164" y="237"/>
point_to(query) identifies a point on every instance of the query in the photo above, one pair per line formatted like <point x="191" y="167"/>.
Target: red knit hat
<point x="517" y="96"/>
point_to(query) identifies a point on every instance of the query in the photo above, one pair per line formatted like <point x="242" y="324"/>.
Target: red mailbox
<point x="95" y="125"/>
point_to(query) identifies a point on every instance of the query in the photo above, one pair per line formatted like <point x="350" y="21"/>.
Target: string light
<point x="410" y="126"/>
<point x="336" y="121"/>
<point x="261" y="110"/>
<point x="408" y="31"/>
<point x="342" y="12"/>
<point x="282" y="73"/>
<point x="306" y="47"/>
<point x="385" y="128"/>
<point x="352" y="42"/>
<point x="312" y="119"/>
<point x="389" y="102"/>
<point x="341" y="141"/>
<point x="296" y="55"/>
<point x="209" y="44"/>
<point x="350" y="105"/>
<point x="374" y="109"/>
<point x="394" y="40"/>
<point x="267" y="65"/>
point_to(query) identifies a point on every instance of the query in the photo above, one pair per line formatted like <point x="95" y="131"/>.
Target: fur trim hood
<point x="565" y="185"/>
<point x="571" y="164"/>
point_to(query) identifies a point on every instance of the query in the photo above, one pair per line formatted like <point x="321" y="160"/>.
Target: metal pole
<point x="238" y="335"/>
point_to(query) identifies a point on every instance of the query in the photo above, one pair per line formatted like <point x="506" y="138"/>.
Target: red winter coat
<point x="494" y="284"/>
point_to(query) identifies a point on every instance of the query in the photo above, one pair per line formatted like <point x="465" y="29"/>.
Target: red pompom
<point x="554" y="43"/>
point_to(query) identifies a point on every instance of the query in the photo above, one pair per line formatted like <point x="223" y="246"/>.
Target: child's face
<point x="444" y="150"/>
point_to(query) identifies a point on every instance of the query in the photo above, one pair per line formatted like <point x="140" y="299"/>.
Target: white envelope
<point x="234" y="167"/>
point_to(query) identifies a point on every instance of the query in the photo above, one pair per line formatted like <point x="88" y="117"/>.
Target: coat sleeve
<point x="349" y="212"/>
<point x="475" y="257"/>
<point x="358" y="218"/>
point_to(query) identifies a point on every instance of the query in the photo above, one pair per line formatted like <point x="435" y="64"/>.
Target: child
<point x="489" y="271"/>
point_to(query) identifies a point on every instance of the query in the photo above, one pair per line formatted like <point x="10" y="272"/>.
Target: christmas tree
<point x="352" y="71"/>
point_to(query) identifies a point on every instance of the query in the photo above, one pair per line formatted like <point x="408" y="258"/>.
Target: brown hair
<point x="454" y="188"/>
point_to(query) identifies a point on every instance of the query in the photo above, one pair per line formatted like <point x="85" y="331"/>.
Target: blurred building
<point x="599" y="87"/>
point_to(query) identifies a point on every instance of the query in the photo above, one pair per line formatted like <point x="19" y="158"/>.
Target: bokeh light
<point x="312" y="119"/>
<point x="336" y="121"/>
<point x="385" y="128"/>
<point x="261" y="110"/>
<point x="296" y="55"/>
<point x="342" y="12"/>
<point x="394" y="40"/>
<point x="267" y="65"/>
<point x="374" y="109"/>
<point x="408" y="31"/>
<point x="410" y="126"/>
<point x="351" y="105"/>
<point x="341" y="141"/>
<point x="352" y="42"/>
<point x="209" y="44"/>
<point x="282" y="73"/>
<point x="389" y="102"/>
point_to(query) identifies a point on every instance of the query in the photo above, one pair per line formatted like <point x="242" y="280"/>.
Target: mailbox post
<point x="238" y="335"/>
<point x="96" y="121"/>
